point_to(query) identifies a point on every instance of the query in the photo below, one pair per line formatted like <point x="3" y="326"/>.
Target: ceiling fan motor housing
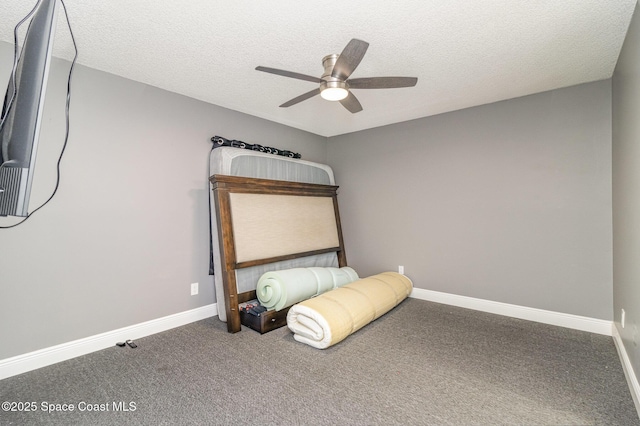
<point x="328" y="63"/>
<point x="328" y="81"/>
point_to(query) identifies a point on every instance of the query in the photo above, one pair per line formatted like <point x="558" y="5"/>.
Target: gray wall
<point x="509" y="202"/>
<point x="626" y="192"/>
<point x="127" y="232"/>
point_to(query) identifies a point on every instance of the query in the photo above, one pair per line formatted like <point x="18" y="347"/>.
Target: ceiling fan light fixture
<point x="334" y="90"/>
<point x="334" y="93"/>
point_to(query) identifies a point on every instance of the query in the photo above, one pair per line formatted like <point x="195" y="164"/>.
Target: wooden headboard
<point x="261" y="221"/>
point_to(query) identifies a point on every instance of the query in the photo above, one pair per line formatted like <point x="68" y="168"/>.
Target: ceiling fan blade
<point x="382" y="82"/>
<point x="290" y="74"/>
<point x="349" y="59"/>
<point x="351" y="103"/>
<point x="301" y="98"/>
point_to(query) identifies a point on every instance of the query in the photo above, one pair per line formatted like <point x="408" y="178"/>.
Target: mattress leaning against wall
<point x="242" y="162"/>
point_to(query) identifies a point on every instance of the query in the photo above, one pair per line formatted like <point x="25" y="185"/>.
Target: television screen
<point x="22" y="112"/>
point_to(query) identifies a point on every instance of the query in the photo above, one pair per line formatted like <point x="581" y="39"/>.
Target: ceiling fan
<point x="335" y="82"/>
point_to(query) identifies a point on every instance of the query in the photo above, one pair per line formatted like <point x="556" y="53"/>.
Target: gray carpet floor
<point x="421" y="364"/>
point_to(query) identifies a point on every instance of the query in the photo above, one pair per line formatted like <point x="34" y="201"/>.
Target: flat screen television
<point x="22" y="111"/>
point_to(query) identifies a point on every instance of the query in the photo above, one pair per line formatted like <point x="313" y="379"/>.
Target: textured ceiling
<point x="464" y="52"/>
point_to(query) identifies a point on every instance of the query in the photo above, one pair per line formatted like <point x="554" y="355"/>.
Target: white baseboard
<point x="41" y="358"/>
<point x="47" y="356"/>
<point x="575" y="322"/>
<point x="632" y="379"/>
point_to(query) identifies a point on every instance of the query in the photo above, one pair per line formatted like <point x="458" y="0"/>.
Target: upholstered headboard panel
<point x="267" y="225"/>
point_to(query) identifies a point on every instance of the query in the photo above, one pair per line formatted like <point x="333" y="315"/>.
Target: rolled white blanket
<point x="280" y="289"/>
<point x="330" y="317"/>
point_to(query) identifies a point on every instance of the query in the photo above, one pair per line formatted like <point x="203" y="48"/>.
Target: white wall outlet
<point x="622" y="318"/>
<point x="401" y="269"/>
<point x="194" y="289"/>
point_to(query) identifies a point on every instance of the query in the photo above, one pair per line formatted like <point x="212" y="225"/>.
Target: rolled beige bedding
<point x="281" y="289"/>
<point x="330" y="317"/>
